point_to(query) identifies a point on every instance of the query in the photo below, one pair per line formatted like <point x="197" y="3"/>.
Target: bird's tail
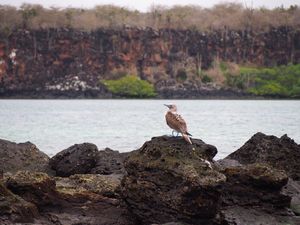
<point x="187" y="138"/>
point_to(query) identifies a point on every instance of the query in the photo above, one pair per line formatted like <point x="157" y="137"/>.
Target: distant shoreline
<point x="123" y="98"/>
<point x="215" y="95"/>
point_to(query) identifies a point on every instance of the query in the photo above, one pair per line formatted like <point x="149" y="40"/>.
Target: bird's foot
<point x="173" y="131"/>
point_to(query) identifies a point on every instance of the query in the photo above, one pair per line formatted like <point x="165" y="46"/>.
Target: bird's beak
<point x="167" y="105"/>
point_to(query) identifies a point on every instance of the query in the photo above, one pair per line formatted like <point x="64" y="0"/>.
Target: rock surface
<point x="77" y="159"/>
<point x="281" y="153"/>
<point x="255" y="185"/>
<point x="105" y="185"/>
<point x="292" y="189"/>
<point x="168" y="180"/>
<point x="14" y="209"/>
<point x="109" y="162"/>
<point x="88" y="199"/>
<point x="252" y="195"/>
<point x="22" y="156"/>
<point x="261" y="193"/>
<point x="35" y="187"/>
<point x="70" y="63"/>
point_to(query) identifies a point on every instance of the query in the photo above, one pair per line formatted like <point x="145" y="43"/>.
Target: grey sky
<point x="143" y="5"/>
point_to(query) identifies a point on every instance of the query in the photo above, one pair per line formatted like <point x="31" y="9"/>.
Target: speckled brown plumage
<point x="176" y="122"/>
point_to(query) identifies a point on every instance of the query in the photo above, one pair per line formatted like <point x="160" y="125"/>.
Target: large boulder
<point x="254" y="185"/>
<point x="35" y="187"/>
<point x="77" y="159"/>
<point x="281" y="153"/>
<point x="253" y="194"/>
<point x="79" y="199"/>
<point x="109" y="162"/>
<point x="90" y="199"/>
<point x="170" y="180"/>
<point x="22" y="156"/>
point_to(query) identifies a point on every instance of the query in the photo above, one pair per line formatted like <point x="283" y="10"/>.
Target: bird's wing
<point x="176" y="122"/>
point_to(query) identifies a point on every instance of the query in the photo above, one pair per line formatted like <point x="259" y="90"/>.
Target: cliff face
<point x="73" y="60"/>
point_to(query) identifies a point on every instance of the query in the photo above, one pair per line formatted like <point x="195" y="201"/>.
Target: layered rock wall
<point x="73" y="60"/>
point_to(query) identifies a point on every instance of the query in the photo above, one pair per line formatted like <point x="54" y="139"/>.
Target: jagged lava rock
<point x="14" y="209"/>
<point x="77" y="159"/>
<point x="78" y="199"/>
<point x="34" y="187"/>
<point x="22" y="156"/>
<point x="252" y="195"/>
<point x="167" y="180"/>
<point x="292" y="189"/>
<point x="255" y="185"/>
<point x="281" y="153"/>
<point x="109" y="162"/>
<point x="90" y="199"/>
<point x="105" y="185"/>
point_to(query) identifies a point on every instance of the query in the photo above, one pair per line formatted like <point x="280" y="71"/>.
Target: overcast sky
<point x="143" y="5"/>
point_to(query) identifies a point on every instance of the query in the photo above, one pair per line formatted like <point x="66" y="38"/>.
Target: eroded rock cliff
<point x="70" y="62"/>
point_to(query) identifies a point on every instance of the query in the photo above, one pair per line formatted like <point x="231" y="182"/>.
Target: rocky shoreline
<point x="162" y="94"/>
<point x="166" y="181"/>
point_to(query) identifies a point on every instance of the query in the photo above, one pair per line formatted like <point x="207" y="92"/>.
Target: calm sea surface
<point x="125" y="125"/>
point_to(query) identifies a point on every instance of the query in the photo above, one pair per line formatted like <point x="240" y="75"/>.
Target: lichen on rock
<point x="168" y="180"/>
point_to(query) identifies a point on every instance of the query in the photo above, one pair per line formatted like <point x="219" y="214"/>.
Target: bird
<point x="177" y="123"/>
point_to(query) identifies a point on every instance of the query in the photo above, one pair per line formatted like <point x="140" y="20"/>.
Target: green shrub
<point x="130" y="86"/>
<point x="269" y="88"/>
<point x="181" y="74"/>
<point x="295" y="92"/>
<point x="281" y="80"/>
<point x="206" y="79"/>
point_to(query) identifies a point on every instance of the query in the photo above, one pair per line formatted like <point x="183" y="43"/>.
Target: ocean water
<point x="125" y="125"/>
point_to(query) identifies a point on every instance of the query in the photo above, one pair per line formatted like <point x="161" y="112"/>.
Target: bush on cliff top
<point x="131" y="86"/>
<point x="220" y="16"/>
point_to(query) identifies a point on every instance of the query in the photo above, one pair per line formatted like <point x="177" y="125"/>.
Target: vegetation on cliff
<point x="131" y="86"/>
<point x="178" y="52"/>
<point x="278" y="81"/>
<point x="281" y="80"/>
<point x="225" y="15"/>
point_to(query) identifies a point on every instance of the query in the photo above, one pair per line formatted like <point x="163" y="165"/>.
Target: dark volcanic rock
<point x="252" y="195"/>
<point x="88" y="199"/>
<point x="168" y="180"/>
<point x="238" y="215"/>
<point x="22" y="156"/>
<point x="254" y="185"/>
<point x="292" y="189"/>
<point x="281" y="153"/>
<point x="77" y="159"/>
<point x="14" y="209"/>
<point x="227" y="163"/>
<point x="109" y="162"/>
<point x="34" y="187"/>
<point x="105" y="185"/>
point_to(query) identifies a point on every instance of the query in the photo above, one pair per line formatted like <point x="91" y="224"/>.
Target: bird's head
<point x="172" y="107"/>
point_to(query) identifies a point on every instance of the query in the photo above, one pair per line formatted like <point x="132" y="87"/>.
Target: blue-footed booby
<point x="177" y="123"/>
